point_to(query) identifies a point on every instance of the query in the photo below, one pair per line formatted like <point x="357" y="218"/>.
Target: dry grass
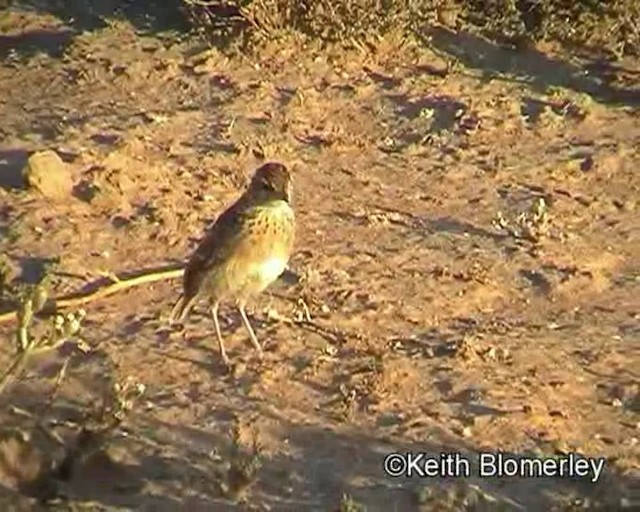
<point x="609" y="26"/>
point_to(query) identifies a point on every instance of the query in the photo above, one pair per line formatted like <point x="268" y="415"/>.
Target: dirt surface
<point x="468" y="250"/>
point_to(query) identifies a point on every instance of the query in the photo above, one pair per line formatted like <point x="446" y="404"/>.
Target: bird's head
<point x="272" y="181"/>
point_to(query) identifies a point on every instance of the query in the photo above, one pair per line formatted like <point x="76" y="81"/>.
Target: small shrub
<point x="610" y="26"/>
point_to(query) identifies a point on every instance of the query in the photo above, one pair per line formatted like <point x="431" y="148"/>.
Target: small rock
<point x="448" y="16"/>
<point x="46" y="172"/>
<point x="629" y="205"/>
<point x="587" y="164"/>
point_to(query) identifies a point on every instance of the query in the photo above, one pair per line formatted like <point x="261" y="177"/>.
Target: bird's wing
<point x="219" y="242"/>
<point x="238" y="232"/>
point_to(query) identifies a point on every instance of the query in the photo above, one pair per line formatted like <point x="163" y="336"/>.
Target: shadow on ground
<point x="12" y="161"/>
<point x="80" y="16"/>
<point x="156" y="464"/>
<point x="530" y="67"/>
<point x="51" y="42"/>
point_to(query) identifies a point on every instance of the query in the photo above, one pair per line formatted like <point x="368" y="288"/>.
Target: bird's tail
<point x="181" y="309"/>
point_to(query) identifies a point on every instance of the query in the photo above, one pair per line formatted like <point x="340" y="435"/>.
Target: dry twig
<point x="119" y="285"/>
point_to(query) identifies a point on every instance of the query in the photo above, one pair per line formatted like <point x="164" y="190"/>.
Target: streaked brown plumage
<point x="245" y="250"/>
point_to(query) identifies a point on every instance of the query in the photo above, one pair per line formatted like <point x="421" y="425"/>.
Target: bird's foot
<point x="225" y="360"/>
<point x="229" y="368"/>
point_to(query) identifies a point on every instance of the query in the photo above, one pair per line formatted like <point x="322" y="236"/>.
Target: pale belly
<point x="258" y="277"/>
<point x="269" y="270"/>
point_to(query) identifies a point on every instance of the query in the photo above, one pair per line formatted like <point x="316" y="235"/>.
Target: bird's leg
<point x="223" y="352"/>
<point x="252" y="334"/>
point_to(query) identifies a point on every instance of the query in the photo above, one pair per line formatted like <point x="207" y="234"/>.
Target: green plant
<point x="531" y="225"/>
<point x="348" y="504"/>
<point x="61" y="329"/>
<point x="243" y="465"/>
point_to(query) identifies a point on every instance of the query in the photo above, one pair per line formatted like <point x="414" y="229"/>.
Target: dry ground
<point x="436" y="326"/>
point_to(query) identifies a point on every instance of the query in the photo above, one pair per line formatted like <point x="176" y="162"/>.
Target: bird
<point x="245" y="250"/>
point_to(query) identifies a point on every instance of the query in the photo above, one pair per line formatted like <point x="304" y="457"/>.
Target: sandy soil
<point x="446" y="317"/>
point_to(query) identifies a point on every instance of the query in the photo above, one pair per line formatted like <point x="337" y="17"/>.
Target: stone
<point x="48" y="174"/>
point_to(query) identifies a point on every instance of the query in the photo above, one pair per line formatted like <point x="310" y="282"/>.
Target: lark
<point x="245" y="250"/>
